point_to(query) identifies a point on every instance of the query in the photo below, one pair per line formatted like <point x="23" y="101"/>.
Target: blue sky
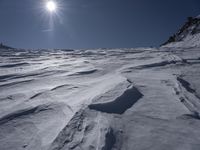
<point x="93" y="23"/>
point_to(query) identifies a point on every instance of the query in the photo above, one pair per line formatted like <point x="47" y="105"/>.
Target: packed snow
<point x="100" y="99"/>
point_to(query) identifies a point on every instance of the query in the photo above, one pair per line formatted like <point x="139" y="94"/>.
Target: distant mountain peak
<point x="198" y="17"/>
<point x="3" y="46"/>
<point x="188" y="35"/>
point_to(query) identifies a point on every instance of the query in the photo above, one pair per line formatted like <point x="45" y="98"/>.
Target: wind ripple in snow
<point x="23" y="112"/>
<point x="14" y="65"/>
<point x="158" y="64"/>
<point x="84" y="72"/>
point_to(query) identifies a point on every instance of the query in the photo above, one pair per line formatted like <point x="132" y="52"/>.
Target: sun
<point x="51" y="6"/>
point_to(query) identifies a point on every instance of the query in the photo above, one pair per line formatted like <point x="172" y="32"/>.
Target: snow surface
<point x="100" y="99"/>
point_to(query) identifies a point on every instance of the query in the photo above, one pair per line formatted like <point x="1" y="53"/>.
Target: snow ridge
<point x="120" y="104"/>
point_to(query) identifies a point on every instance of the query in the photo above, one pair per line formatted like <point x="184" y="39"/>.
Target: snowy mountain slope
<point x="101" y="99"/>
<point x="187" y="36"/>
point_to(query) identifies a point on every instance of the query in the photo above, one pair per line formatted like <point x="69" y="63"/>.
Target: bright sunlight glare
<point x="51" y="6"/>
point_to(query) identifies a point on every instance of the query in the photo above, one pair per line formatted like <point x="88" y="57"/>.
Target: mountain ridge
<point x="188" y="35"/>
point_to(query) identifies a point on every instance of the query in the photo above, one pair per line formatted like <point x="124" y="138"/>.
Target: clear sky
<point x="92" y="23"/>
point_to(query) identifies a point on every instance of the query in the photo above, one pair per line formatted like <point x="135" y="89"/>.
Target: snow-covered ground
<point x="100" y="99"/>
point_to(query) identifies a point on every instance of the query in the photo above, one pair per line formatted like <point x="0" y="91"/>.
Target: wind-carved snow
<point x="120" y="104"/>
<point x="100" y="99"/>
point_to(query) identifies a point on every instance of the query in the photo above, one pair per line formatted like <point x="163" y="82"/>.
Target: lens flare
<point x="51" y="14"/>
<point x="51" y="6"/>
